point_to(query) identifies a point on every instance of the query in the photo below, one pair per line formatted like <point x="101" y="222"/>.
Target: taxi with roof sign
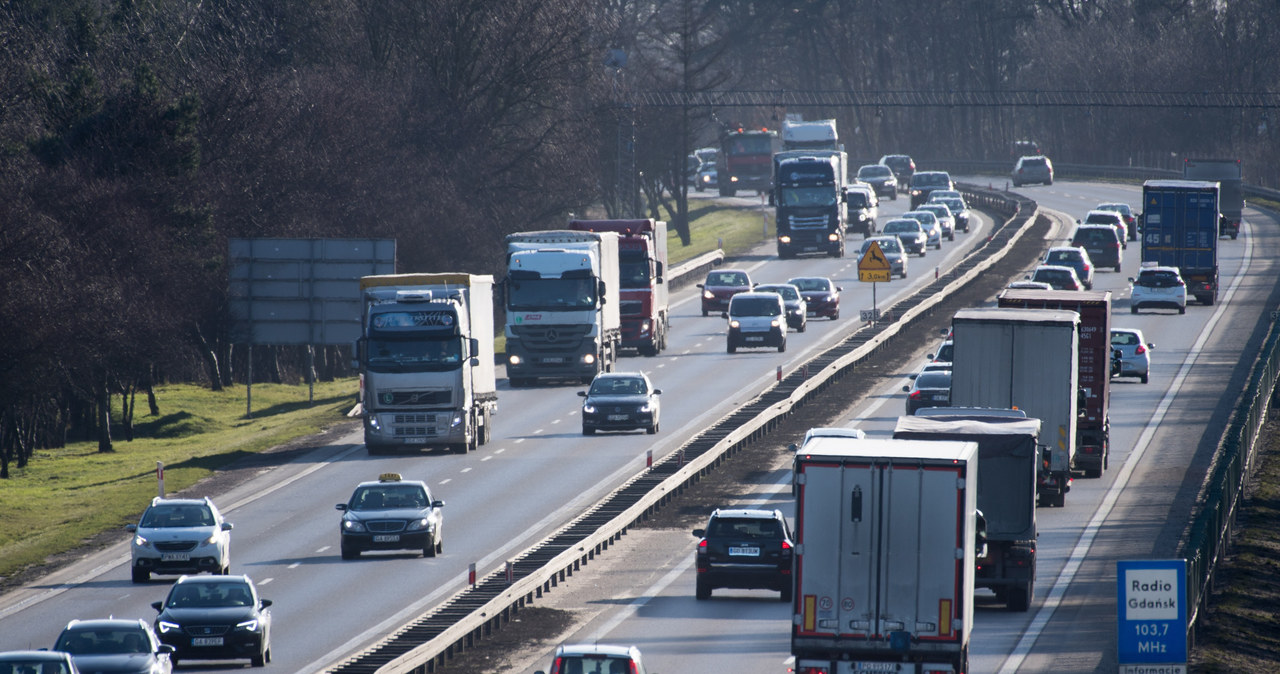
<point x="391" y="513"/>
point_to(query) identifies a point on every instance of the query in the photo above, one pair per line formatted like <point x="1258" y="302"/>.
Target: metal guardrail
<point x="431" y="640"/>
<point x="682" y="274"/>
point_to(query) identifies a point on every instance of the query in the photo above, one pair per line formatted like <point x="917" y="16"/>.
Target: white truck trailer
<point x="887" y="532"/>
<point x="1023" y="359"/>
<point x="816" y="135"/>
<point x="426" y="361"/>
<point x="562" y="301"/>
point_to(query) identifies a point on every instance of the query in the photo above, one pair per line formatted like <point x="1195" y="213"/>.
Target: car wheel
<point x="803" y="326"/>
<point x="1182" y="310"/>
<point x="259" y="659"/>
<point x="782" y="346"/>
<point x="1117" y="268"/>
<point x="652" y="430"/>
<point x="1144" y="378"/>
<point x="784" y="594"/>
<point x="835" y="315"/>
<point x="141" y="575"/>
<point x="701" y="590"/>
<point x="704" y="313"/>
<point x="350" y="553"/>
<point x="588" y="431"/>
<point x="1133" y="309"/>
<point x="731" y="348"/>
<point x="952" y="237"/>
<point x="429" y="550"/>
<point x="1020" y="598"/>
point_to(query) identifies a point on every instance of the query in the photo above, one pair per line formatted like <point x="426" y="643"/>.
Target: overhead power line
<point x="973" y="99"/>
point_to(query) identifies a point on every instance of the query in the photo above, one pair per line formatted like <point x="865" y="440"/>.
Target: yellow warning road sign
<point x="874" y="266"/>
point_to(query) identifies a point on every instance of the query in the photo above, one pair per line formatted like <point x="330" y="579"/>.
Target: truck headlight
<point x="833" y="237"/>
<point x="456" y="421"/>
<point x="784" y="239"/>
<point x="514" y="359"/>
<point x="589" y="358"/>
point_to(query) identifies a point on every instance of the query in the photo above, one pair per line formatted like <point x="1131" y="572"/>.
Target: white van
<point x="757" y="319"/>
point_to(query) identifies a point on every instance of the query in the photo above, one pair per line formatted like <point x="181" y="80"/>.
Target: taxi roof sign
<point x="389" y="477"/>
<point x="873" y="259"/>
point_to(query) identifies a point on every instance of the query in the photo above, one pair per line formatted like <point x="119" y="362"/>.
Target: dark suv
<point x="925" y="182"/>
<point x="1102" y="242"/>
<point x="744" y="549"/>
<point x="903" y="167"/>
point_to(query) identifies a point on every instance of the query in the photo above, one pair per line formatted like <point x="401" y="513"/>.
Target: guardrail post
<point x="471" y="574"/>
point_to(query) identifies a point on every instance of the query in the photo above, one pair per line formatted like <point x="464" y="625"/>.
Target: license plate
<point x="386" y="538"/>
<point x="555" y="359"/>
<point x="411" y="440"/>
<point x="744" y="552"/>
<point x="755" y="339"/>
<point x="868" y="667"/>
<point x="618" y="417"/>
<point x="206" y="641"/>
<point x="175" y="557"/>
<point x="810" y="248"/>
<point x="939" y="397"/>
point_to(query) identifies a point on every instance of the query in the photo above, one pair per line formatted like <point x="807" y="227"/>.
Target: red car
<point x="720" y="285"/>
<point x="822" y="296"/>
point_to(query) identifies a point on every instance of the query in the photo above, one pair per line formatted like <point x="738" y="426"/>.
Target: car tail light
<point x="702" y="545"/>
<point x="786" y="545"/>
<point x="1140" y="350"/>
<point x="556" y="666"/>
<point x="915" y="395"/>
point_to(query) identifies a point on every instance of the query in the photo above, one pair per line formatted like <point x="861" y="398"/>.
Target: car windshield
<point x="874" y="171"/>
<point x="933" y="380"/>
<point x="926" y="179"/>
<point x="614" y="386"/>
<point x="945" y="352"/>
<point x="939" y="212"/>
<point x="886" y="245"/>
<point x="748" y="528"/>
<point x="173" y="516"/>
<point x="727" y="278"/>
<point x="207" y="595"/>
<point x="105" y="641"/>
<point x="788" y="292"/>
<point x="387" y="497"/>
<point x="1033" y="163"/>
<point x="900" y="226"/>
<point x="1158" y="279"/>
<point x="1055" y="277"/>
<point x="858" y="199"/>
<point x="594" y="664"/>
<point x="1107" y="218"/>
<point x="1094" y="236"/>
<point x="810" y="284"/>
<point x="924" y="217"/>
<point x="754" y="306"/>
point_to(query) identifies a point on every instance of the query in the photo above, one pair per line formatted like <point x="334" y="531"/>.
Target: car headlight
<point x="647" y="407"/>
<point x="167" y="626"/>
<point x="862" y="216"/>
<point x="419" y="524"/>
<point x="773" y="323"/>
<point x="210" y="539"/>
<point x="588" y="409"/>
<point x="248" y="625"/>
<point x="353" y="526"/>
<point x="141" y="542"/>
<point x="708" y="295"/>
<point x="734" y="325"/>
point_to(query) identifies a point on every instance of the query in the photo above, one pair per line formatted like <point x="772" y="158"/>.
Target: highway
<point x="1162" y="435"/>
<point x="540" y="472"/>
<point x="537" y="474"/>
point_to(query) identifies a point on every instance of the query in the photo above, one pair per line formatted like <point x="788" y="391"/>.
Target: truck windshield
<point x="551" y="294"/>
<point x="808" y="196"/>
<point x="634" y="269"/>
<point x="410" y="353"/>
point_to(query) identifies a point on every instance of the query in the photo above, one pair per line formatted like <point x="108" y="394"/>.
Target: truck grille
<point x="810" y="222"/>
<point x="550" y="338"/>
<point x="414" y="398"/>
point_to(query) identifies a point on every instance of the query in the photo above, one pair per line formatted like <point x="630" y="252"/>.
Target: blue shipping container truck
<point x="1180" y="229"/>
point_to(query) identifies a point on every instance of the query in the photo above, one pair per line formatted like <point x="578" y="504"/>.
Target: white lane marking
<point x="1081" y="550"/>
<point x="519" y="440"/>
<point x="264" y="581"/>
<point x="447" y="480"/>
<point x="295" y="565"/>
<point x="467" y="469"/>
<point x="322" y="549"/>
<point x="500" y="450"/>
<point x="555" y="421"/>
<point x="486" y="457"/>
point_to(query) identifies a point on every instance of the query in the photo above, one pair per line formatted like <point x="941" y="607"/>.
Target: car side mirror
<point x="264" y="603"/>
<point x="699" y="285"/>
<point x="724" y="314"/>
<point x="699" y="533"/>
<point x="906" y="389"/>
<point x="227" y="526"/>
<point x="582" y="394"/>
<point x="166" y="648"/>
<point x="437" y="503"/>
<point x="839" y="289"/>
<point x="341" y="506"/>
<point x="793" y="448"/>
<point x="657" y="391"/>
<point x="1151" y="347"/>
<point x="157" y="605"/>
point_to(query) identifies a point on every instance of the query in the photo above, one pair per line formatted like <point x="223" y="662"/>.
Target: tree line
<point x="138" y="136"/>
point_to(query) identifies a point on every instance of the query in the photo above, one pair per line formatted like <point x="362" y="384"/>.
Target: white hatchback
<point x="1134" y="353"/>
<point x="1158" y="287"/>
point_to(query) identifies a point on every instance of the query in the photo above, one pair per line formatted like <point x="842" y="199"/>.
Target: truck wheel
<point x="1133" y="308"/>
<point x="1058" y="500"/>
<point x="701" y="591"/>
<point x="1020" y="598"/>
<point x="459" y="448"/>
<point x="1093" y="472"/>
<point x="1117" y="268"/>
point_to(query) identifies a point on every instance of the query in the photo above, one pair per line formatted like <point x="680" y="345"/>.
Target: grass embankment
<point x="67" y="498"/>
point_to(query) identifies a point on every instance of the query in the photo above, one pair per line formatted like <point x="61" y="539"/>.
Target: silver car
<point x="180" y="535"/>
<point x="914" y="237"/>
<point x="1134" y="352"/>
<point x="893" y="251"/>
<point x="945" y="219"/>
<point x="932" y="227"/>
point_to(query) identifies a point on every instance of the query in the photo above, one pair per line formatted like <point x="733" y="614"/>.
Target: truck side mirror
<point x="658" y="271"/>
<point x="357" y="353"/>
<point x="600" y="290"/>
<point x="473" y="344"/>
<point x="980" y="534"/>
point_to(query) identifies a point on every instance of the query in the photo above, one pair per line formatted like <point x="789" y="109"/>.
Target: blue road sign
<point x="1151" y="603"/>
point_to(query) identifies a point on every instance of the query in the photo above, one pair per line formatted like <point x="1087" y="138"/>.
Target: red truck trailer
<point x="642" y="262"/>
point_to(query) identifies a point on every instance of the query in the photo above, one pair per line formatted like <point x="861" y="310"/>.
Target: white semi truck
<point x="426" y="361"/>
<point x="562" y="302"/>
<point x="816" y="135"/>
<point x="887" y="533"/>
<point x="1023" y="359"/>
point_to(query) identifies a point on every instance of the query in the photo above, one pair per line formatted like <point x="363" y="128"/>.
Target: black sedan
<point x="392" y="514"/>
<point x="620" y="401"/>
<point x="821" y="296"/>
<point x="929" y="389"/>
<point x="215" y="618"/>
